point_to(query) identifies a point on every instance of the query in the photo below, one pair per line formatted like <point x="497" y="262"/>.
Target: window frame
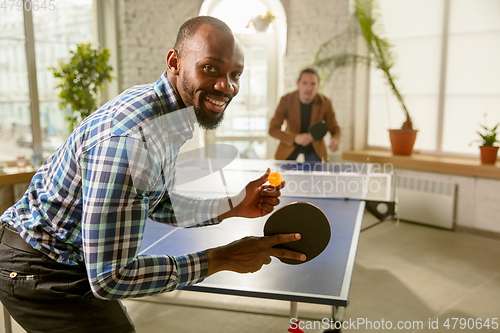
<point x="36" y="129"/>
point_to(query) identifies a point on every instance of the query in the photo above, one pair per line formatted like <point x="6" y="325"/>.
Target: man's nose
<point x="224" y="85"/>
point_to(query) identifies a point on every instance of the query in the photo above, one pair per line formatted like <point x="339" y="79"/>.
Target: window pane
<point x="476" y="16"/>
<point x="15" y="118"/>
<point x="56" y="33"/>
<point x="473" y="73"/>
<point x="462" y="118"/>
<point x="473" y="66"/>
<point x="404" y="19"/>
<point x="385" y="112"/>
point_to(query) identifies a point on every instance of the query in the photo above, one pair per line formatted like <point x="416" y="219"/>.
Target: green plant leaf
<point x="80" y="80"/>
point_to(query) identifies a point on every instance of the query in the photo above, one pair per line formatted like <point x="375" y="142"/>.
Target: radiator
<point x="426" y="201"/>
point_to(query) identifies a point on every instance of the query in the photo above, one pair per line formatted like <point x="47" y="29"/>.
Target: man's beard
<point x="208" y="122"/>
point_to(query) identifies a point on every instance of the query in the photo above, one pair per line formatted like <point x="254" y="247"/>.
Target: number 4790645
<point x="471" y="323"/>
<point x="28" y="5"/>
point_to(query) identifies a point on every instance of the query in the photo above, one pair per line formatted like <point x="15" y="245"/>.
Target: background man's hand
<point x="248" y="254"/>
<point x="303" y="139"/>
<point x="334" y="144"/>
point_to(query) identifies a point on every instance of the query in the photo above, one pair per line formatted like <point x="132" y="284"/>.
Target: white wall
<point x="477" y="205"/>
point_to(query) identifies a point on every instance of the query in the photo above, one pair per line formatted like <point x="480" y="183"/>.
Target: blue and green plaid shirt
<point x="86" y="203"/>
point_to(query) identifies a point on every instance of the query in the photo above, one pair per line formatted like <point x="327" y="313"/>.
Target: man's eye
<point x="237" y="76"/>
<point x="210" y="69"/>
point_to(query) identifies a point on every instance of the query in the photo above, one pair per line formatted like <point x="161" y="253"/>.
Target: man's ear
<point x="173" y="61"/>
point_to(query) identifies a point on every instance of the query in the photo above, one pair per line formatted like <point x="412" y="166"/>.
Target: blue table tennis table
<point x="323" y="280"/>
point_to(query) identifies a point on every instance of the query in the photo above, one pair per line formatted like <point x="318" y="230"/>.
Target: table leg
<point x="294" y="311"/>
<point x="337" y="316"/>
<point x="6" y="320"/>
<point x="338" y="313"/>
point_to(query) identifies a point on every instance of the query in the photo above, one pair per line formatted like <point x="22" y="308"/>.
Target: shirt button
<point x="13" y="275"/>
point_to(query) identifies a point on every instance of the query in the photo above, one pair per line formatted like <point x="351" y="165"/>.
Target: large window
<point x="447" y="63"/>
<point x="15" y="119"/>
<point x="55" y="29"/>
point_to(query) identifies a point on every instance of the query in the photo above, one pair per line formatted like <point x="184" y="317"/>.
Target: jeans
<point x="45" y="296"/>
<point x="309" y="156"/>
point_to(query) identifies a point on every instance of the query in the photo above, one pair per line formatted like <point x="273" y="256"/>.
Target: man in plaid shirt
<point x="80" y="224"/>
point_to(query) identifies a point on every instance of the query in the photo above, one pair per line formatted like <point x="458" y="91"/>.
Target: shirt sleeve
<point x="113" y="221"/>
<point x="331" y="122"/>
<point x="186" y="211"/>
<point x="279" y="117"/>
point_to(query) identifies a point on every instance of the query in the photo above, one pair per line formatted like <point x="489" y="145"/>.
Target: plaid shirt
<point x="90" y="200"/>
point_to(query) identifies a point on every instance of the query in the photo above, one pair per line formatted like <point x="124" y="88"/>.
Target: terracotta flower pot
<point x="488" y="154"/>
<point x="402" y="141"/>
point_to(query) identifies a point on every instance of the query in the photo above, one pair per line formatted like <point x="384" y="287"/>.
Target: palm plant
<point x="380" y="55"/>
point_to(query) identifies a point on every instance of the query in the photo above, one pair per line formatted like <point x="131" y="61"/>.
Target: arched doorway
<point x="247" y="119"/>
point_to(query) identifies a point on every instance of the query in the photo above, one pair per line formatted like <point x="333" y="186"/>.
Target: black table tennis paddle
<point x="307" y="220"/>
<point x="318" y="130"/>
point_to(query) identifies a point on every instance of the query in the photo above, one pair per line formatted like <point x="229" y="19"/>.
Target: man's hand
<point x="303" y="139"/>
<point x="248" y="254"/>
<point x="256" y="199"/>
<point x="334" y="144"/>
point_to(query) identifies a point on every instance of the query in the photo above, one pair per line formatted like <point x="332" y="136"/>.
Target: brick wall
<point x="147" y="31"/>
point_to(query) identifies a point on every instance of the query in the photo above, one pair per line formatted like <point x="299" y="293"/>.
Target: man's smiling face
<point x="209" y="67"/>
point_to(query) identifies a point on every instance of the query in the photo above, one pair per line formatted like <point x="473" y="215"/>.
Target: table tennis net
<point x="313" y="184"/>
<point x="377" y="187"/>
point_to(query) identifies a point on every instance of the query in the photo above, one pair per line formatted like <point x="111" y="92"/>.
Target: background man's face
<point x="211" y="66"/>
<point x="307" y="85"/>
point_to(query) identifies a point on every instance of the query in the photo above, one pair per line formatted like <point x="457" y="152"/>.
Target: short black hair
<point x="309" y="70"/>
<point x="189" y="28"/>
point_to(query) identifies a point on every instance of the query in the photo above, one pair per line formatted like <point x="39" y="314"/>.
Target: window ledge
<point x="441" y="164"/>
<point x="15" y="175"/>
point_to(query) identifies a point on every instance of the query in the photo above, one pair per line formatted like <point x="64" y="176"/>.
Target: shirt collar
<point x="182" y="118"/>
<point x="168" y="97"/>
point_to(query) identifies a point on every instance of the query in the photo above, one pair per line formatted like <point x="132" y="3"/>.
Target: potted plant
<point x="81" y="80"/>
<point x="261" y="22"/>
<point x="380" y="55"/>
<point x="488" y="139"/>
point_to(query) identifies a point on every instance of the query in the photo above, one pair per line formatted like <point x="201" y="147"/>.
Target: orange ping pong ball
<point x="274" y="178"/>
